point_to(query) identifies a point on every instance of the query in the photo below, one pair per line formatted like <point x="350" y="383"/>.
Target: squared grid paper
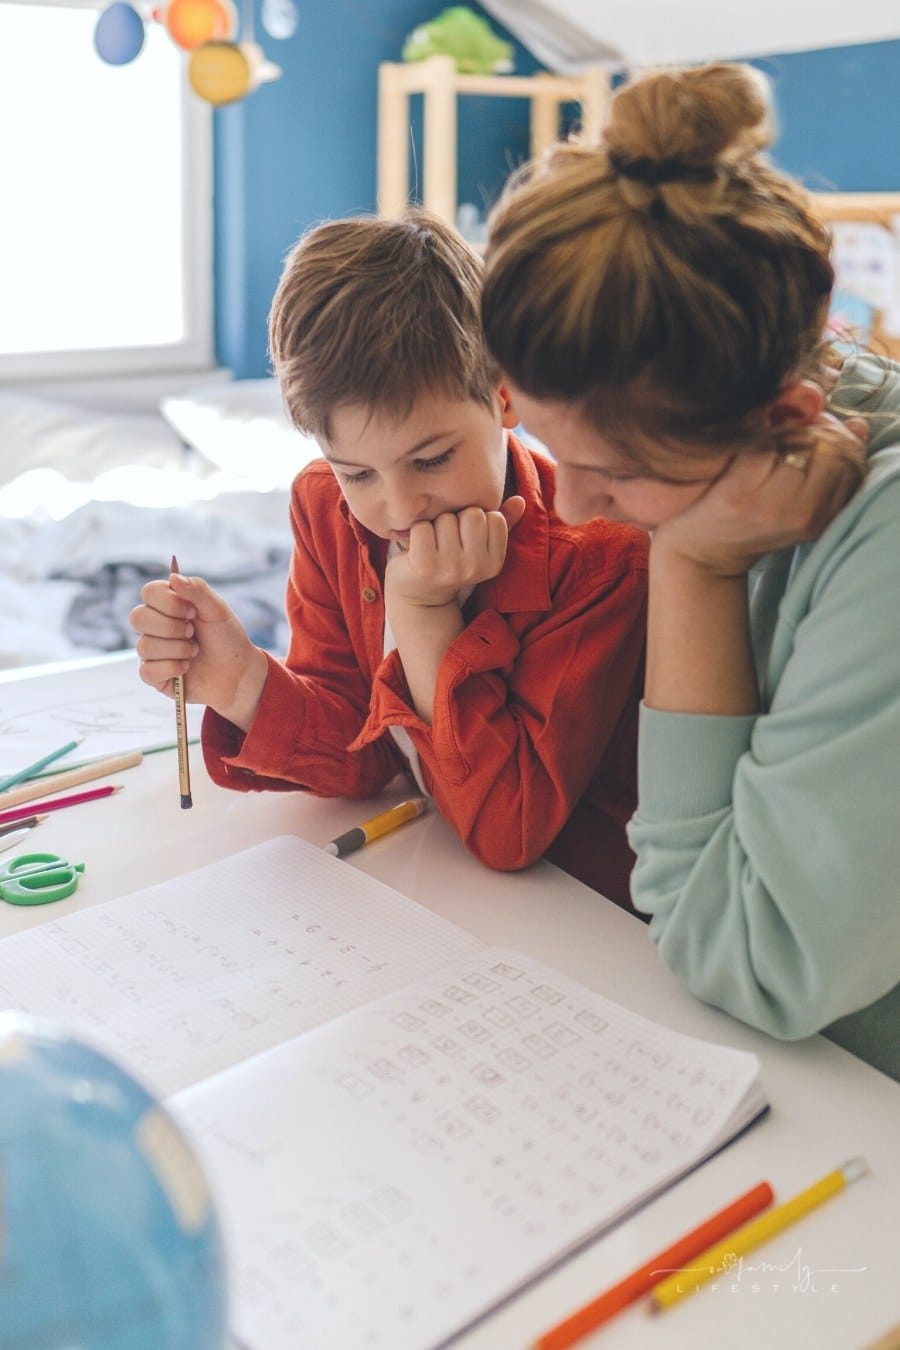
<point x="187" y="977"/>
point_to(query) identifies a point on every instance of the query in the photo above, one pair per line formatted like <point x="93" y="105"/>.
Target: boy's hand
<point x="187" y="629"/>
<point x="456" y="549"/>
<point x="765" y="502"/>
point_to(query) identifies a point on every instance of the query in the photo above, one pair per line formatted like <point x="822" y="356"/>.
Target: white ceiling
<point x="566" y="35"/>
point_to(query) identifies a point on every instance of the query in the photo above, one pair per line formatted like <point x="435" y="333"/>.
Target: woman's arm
<point x="767" y="842"/>
<point x="699" y="653"/>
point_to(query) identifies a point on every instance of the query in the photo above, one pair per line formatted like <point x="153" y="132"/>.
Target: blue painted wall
<point x="839" y="116"/>
<point x="303" y="149"/>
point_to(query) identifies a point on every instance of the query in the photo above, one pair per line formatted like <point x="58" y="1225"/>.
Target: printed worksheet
<point x="189" y="976"/>
<point x="401" y="1126"/>
<point x="389" y="1177"/>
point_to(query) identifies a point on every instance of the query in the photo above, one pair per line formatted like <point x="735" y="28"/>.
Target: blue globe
<point x="108" y="1235"/>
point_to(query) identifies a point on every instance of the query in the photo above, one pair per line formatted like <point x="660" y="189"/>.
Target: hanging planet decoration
<point x="221" y="69"/>
<point x="190" y="23"/>
<point x="220" y="73"/>
<point x="262" y="70"/>
<point x="279" y="18"/>
<point x="119" y="34"/>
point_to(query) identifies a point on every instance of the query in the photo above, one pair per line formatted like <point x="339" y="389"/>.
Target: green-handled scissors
<point x="38" y="878"/>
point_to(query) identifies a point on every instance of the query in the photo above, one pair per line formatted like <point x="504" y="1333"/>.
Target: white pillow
<point x="241" y="427"/>
<point x="80" y="444"/>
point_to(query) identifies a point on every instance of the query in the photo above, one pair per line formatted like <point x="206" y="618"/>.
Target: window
<point x="106" y="229"/>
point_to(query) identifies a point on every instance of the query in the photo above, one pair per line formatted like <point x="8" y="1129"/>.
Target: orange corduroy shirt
<point x="531" y="749"/>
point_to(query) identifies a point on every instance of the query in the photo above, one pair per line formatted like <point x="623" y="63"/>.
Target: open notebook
<point x="402" y="1126"/>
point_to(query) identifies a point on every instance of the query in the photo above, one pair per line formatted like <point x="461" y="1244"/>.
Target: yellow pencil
<point x="353" y="839"/>
<point x="719" y="1258"/>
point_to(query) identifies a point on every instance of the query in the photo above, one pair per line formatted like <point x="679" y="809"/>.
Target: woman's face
<point x="596" y="478"/>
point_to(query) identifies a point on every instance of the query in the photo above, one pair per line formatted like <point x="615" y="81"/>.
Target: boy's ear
<point x="508" y="416"/>
<point x="796" y="404"/>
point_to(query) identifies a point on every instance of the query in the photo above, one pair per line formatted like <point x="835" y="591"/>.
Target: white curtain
<point x="568" y="34"/>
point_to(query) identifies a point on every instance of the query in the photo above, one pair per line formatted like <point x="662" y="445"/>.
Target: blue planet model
<point x="109" y="1239"/>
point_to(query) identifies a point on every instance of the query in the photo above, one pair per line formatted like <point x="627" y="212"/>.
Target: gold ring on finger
<point x="796" y="459"/>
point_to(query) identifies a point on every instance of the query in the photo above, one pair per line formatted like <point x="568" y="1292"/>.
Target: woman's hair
<point x="376" y="313"/>
<point x="669" y="279"/>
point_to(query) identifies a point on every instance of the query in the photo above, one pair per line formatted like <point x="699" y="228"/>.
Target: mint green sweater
<point x="769" y="846"/>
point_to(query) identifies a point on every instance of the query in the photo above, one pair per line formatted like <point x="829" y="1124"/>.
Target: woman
<point x="657" y="305"/>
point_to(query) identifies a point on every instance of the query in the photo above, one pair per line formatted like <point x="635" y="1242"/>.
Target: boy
<point x="443" y="620"/>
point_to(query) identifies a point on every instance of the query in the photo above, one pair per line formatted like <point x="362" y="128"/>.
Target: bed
<point x="93" y="503"/>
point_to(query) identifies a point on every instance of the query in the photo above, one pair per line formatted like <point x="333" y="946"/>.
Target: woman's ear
<point x="796" y="404"/>
<point x="508" y="416"/>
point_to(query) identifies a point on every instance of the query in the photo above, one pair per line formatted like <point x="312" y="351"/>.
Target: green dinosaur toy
<point x="461" y="33"/>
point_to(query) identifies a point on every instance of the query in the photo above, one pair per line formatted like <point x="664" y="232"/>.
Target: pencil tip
<point x="174" y="564"/>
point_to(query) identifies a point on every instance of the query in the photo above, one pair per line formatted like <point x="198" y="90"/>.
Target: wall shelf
<point x="437" y="80"/>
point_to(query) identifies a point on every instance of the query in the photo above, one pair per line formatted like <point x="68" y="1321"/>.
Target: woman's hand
<point x="768" y="501"/>
<point x="187" y="629"/>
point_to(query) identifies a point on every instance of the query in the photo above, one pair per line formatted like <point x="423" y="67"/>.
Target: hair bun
<point x="701" y="118"/>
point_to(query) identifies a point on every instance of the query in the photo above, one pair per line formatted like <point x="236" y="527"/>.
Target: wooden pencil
<point x="181" y="735"/>
<point x="60" y="782"/>
<point x="60" y="803"/>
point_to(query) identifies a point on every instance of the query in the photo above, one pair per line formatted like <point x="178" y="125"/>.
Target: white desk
<point x="840" y="1286"/>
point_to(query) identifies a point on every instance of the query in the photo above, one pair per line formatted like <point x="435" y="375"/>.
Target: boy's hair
<point x="376" y="313"/>
<point x="669" y="280"/>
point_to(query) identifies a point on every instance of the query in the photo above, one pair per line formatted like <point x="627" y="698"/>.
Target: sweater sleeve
<point x="315" y="701"/>
<point x="768" y="847"/>
<point x="524" y="711"/>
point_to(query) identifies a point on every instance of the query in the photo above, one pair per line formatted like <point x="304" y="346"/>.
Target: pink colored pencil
<point x="59" y="803"/>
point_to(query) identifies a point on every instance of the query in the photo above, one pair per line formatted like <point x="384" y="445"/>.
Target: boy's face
<point x="446" y="455"/>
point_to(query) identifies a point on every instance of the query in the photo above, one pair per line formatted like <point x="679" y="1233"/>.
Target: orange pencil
<point x="641" y="1281"/>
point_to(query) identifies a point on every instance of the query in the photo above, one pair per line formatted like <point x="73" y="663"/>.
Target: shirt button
<point x="369" y="595"/>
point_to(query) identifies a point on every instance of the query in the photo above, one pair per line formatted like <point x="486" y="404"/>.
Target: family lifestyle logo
<point x="735" y="1275"/>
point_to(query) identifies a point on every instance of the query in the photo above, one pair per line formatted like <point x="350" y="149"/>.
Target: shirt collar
<point x="524" y="581"/>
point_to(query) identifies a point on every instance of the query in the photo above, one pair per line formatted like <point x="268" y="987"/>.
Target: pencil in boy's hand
<point x="181" y="735"/>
